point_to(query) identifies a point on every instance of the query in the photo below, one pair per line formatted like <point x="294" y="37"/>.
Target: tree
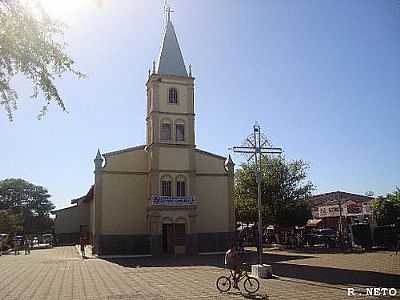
<point x="284" y="192"/>
<point x="10" y="221"/>
<point x="31" y="45"/>
<point x="29" y="203"/>
<point x="387" y="208"/>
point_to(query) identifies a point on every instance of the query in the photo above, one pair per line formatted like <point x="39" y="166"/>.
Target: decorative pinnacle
<point x="190" y="70"/>
<point x="230" y="161"/>
<point x="98" y="155"/>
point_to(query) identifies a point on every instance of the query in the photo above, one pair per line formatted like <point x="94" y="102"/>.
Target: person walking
<point x="16" y="245"/>
<point x="82" y="242"/>
<point x="27" y="247"/>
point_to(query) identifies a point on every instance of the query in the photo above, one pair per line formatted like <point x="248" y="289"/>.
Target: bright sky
<point x="320" y="77"/>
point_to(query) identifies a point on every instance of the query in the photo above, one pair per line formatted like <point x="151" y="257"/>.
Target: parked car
<point x="47" y="239"/>
<point x="325" y="236"/>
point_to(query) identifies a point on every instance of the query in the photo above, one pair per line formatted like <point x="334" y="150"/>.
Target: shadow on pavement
<point x="336" y="276"/>
<point x="318" y="274"/>
<point x="249" y="296"/>
<point x="216" y="260"/>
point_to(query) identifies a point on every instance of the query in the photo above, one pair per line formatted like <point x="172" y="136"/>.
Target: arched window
<point x="166" y="183"/>
<point x="180" y="131"/>
<point x="173" y="96"/>
<point x="165" y="131"/>
<point x="180" y="186"/>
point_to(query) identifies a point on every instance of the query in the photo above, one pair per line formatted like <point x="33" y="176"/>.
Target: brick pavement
<point x="60" y="273"/>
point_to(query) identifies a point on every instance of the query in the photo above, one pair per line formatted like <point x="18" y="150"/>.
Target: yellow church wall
<point x="68" y="220"/>
<point x="124" y="204"/>
<point x="174" y="158"/>
<point x="206" y="163"/>
<point x="130" y="161"/>
<point x="213" y="207"/>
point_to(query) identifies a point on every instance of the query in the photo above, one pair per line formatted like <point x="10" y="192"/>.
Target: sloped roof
<point x="140" y="147"/>
<point x="210" y="154"/>
<point x="333" y="197"/>
<point x="86" y="198"/>
<point x="170" y="59"/>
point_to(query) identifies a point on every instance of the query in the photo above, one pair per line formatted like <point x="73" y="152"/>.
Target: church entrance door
<point x="174" y="238"/>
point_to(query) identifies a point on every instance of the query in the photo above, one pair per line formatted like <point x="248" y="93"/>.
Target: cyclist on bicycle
<point x="233" y="262"/>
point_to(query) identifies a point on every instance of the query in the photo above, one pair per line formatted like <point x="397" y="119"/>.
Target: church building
<point x="164" y="197"/>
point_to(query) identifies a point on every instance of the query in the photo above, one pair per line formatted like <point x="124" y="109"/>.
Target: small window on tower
<point x="173" y="96"/>
<point x="180" y="132"/>
<point x="165" y="134"/>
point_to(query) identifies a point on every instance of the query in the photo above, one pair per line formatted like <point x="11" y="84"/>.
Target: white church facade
<point x="164" y="197"/>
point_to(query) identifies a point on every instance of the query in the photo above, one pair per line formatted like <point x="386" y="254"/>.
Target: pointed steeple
<point x="170" y="60"/>
<point x="98" y="161"/>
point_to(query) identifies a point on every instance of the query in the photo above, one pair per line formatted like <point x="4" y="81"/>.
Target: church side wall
<point x="123" y="229"/>
<point x="68" y="222"/>
<point x="213" y="228"/>
<point x="212" y="201"/>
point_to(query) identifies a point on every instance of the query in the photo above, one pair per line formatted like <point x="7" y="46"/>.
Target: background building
<point x="326" y="209"/>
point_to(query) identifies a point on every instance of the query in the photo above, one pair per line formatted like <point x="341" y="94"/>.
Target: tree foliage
<point x="387" y="208"/>
<point x="31" y="44"/>
<point x="10" y="221"/>
<point x="25" y="204"/>
<point x="285" y="191"/>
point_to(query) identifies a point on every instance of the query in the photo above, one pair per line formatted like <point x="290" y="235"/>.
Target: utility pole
<point x="257" y="150"/>
<point x="341" y="225"/>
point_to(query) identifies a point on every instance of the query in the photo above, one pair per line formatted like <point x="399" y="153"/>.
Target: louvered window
<point x="173" y="96"/>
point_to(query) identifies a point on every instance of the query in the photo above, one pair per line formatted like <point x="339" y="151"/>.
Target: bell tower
<point x="170" y="96"/>
<point x="170" y="136"/>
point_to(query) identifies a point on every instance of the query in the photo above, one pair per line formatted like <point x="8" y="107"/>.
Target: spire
<point x="98" y="155"/>
<point x="229" y="161"/>
<point x="170" y="60"/>
<point x="98" y="161"/>
<point x="230" y="166"/>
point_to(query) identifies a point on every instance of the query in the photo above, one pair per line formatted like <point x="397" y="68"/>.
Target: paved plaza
<point x="60" y="273"/>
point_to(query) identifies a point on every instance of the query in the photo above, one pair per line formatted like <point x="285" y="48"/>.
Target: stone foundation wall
<point x="122" y="244"/>
<point x="147" y="244"/>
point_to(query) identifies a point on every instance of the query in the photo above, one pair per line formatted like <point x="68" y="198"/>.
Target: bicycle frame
<point x="243" y="275"/>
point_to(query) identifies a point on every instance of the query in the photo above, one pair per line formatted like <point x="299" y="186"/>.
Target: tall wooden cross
<point x="257" y="150"/>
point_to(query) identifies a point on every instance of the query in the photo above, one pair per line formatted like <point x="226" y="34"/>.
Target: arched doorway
<point x="174" y="236"/>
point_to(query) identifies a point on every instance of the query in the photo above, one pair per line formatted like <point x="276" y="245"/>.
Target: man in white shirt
<point x="233" y="262"/>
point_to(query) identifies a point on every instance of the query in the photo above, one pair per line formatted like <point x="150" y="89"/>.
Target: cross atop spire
<point x="170" y="60"/>
<point x="168" y="11"/>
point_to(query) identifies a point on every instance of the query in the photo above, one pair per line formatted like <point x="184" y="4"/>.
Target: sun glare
<point x="64" y="8"/>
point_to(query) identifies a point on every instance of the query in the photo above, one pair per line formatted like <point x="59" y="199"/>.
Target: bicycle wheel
<point x="223" y="284"/>
<point x="251" y="284"/>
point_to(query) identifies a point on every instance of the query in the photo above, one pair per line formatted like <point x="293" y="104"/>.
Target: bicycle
<point x="250" y="284"/>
